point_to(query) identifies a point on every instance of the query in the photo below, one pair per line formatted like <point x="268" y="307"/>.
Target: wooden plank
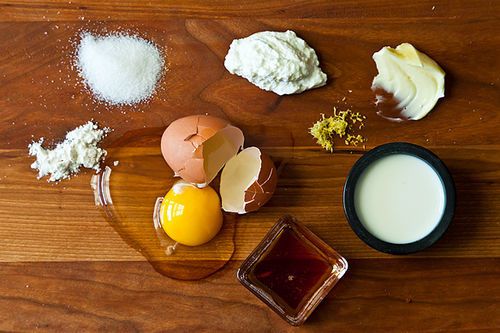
<point x="65" y="226"/>
<point x="63" y="268"/>
<point x="37" y="74"/>
<point x="39" y="10"/>
<point x="405" y="295"/>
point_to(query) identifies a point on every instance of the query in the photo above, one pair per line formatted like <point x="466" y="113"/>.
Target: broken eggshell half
<point x="247" y="181"/>
<point x="197" y="147"/>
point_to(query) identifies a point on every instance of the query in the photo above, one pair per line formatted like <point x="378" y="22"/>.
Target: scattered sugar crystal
<point x="119" y="69"/>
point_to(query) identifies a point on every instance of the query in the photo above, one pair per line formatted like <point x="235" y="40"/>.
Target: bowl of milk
<point x="399" y="198"/>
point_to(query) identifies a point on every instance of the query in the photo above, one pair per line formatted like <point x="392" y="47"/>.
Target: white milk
<point x="399" y="199"/>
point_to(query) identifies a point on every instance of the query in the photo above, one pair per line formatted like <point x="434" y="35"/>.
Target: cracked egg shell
<point x="197" y="147"/>
<point x="247" y="181"/>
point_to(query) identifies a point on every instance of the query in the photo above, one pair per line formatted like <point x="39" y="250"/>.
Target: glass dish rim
<point x="339" y="268"/>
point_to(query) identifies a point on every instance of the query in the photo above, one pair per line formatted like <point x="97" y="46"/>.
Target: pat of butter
<point x="414" y="79"/>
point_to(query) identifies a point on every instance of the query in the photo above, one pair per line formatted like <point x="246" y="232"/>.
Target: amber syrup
<point x="291" y="270"/>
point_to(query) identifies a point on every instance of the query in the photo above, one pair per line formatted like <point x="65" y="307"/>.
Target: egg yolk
<point x="190" y="215"/>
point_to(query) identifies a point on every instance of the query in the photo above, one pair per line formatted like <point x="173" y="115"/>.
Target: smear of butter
<point x="414" y="79"/>
<point x="275" y="61"/>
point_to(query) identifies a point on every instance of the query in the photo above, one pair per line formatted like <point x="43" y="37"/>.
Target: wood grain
<point x="63" y="268"/>
<point x="67" y="226"/>
<point x="421" y="295"/>
<point x="26" y="10"/>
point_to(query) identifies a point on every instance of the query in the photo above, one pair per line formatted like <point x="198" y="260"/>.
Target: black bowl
<point x="390" y="149"/>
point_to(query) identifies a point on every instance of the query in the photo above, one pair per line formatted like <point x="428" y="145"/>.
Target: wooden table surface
<point x="63" y="268"/>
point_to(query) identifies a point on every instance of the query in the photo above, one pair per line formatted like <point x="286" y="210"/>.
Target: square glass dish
<point x="292" y="270"/>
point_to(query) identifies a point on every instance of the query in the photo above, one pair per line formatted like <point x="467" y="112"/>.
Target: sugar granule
<point x="119" y="69"/>
<point x="79" y="149"/>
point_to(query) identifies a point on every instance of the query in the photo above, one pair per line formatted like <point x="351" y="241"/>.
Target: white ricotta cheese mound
<point x="79" y="149"/>
<point x="275" y="61"/>
<point x="119" y="69"/>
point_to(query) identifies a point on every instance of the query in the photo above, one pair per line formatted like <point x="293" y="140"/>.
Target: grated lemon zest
<point x="340" y="124"/>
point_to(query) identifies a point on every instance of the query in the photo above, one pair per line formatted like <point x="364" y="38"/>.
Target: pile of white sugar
<point x="79" y="149"/>
<point x="119" y="69"/>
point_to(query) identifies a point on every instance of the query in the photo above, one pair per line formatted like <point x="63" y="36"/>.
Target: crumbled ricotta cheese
<point x="79" y="149"/>
<point x="275" y="61"/>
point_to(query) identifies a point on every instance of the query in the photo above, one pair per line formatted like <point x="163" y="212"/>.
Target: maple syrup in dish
<point x="292" y="270"/>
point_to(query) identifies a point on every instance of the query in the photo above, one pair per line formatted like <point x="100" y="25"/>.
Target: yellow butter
<point x="413" y="78"/>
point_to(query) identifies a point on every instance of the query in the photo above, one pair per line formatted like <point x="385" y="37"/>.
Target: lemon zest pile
<point x="340" y="124"/>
